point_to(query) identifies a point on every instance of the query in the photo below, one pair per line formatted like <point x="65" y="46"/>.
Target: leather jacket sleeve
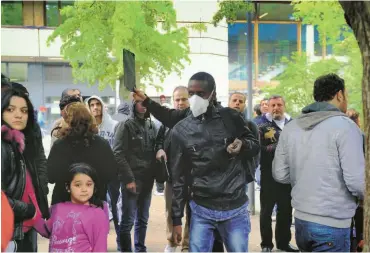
<point x="178" y="168"/>
<point x="254" y="128"/>
<point x="22" y="210"/>
<point x="159" y="142"/>
<point x="121" y="149"/>
<point x="251" y="144"/>
<point x="168" y="117"/>
<point x="41" y="162"/>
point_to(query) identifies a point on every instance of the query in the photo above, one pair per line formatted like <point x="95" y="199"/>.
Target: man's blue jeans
<point x="313" y="237"/>
<point x="135" y="209"/>
<point x="233" y="226"/>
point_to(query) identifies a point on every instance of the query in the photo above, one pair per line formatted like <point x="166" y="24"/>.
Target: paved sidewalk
<point x="156" y="235"/>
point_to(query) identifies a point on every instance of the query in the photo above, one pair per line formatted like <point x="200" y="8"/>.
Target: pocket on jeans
<point x="323" y="239"/>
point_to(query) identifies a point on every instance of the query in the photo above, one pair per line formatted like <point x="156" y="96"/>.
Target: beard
<point x="276" y="116"/>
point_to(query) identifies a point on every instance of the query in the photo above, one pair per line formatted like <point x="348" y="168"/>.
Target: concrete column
<point x="310" y="41"/>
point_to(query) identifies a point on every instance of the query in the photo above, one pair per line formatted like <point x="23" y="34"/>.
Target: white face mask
<point x="199" y="105"/>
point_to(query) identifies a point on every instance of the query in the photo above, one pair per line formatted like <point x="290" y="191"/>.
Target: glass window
<point x="238" y="51"/>
<point x="275" y="12"/>
<point x="52" y="12"/>
<point x="58" y="73"/>
<point x="275" y="42"/>
<point x="4" y="69"/>
<point x="18" y="72"/>
<point x="11" y="13"/>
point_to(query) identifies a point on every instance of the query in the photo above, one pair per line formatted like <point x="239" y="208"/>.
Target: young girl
<point x="80" y="224"/>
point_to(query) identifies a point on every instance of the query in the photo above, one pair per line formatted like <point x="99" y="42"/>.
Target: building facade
<point x="220" y="50"/>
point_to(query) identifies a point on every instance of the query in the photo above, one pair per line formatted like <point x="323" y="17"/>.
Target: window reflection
<point x="275" y="42"/>
<point x="52" y="12"/>
<point x="18" y="72"/>
<point x="275" y="12"/>
<point x="238" y="51"/>
<point x="11" y="13"/>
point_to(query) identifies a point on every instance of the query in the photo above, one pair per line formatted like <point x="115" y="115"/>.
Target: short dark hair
<point x="276" y="97"/>
<point x="257" y="109"/>
<point x="208" y="79"/>
<point x="326" y="86"/>
<point x="66" y="100"/>
<point x="65" y="92"/>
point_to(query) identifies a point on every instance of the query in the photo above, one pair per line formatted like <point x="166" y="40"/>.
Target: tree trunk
<point x="357" y="14"/>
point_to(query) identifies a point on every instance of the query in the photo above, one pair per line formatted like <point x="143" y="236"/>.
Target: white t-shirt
<point x="280" y="123"/>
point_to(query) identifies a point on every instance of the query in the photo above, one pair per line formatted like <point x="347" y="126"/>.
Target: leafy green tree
<point x="296" y="83"/>
<point x="11" y="13"/>
<point x="94" y="35"/>
<point x="229" y="9"/>
<point x="327" y="16"/>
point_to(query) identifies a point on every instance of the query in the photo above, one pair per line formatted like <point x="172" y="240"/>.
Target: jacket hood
<point x="124" y="108"/>
<point x="106" y="118"/>
<point x="316" y="113"/>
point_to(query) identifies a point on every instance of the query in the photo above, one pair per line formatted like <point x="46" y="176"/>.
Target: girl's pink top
<point x="76" y="228"/>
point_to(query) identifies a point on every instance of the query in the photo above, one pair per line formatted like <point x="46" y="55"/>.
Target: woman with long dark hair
<point x="78" y="142"/>
<point x="20" y="179"/>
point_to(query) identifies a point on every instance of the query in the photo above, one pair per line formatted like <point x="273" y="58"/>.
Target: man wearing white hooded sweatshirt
<point x="106" y="127"/>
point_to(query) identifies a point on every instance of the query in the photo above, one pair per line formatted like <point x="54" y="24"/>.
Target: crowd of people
<point x="202" y="157"/>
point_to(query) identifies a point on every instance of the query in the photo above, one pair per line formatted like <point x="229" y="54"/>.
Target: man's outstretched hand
<point x="138" y="95"/>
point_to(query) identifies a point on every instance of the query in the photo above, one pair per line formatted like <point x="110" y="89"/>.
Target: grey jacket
<point x="321" y="155"/>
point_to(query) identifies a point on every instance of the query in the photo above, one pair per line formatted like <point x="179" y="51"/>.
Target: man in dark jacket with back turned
<point x="134" y="149"/>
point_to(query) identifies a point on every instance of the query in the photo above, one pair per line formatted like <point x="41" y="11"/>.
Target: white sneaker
<point x="158" y="193"/>
<point x="170" y="249"/>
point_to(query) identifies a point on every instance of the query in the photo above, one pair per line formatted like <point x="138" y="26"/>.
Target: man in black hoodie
<point x="134" y="149"/>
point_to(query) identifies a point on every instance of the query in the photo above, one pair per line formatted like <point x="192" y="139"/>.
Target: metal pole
<point x="251" y="194"/>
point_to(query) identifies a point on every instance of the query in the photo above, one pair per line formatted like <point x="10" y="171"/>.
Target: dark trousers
<point x="358" y="226"/>
<point x="160" y="187"/>
<point x="29" y="242"/>
<point x="274" y="193"/>
<point x="135" y="211"/>
<point x="113" y="191"/>
<point x="218" y="245"/>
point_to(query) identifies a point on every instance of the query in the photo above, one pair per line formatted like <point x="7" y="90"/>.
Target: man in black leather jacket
<point x="217" y="177"/>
